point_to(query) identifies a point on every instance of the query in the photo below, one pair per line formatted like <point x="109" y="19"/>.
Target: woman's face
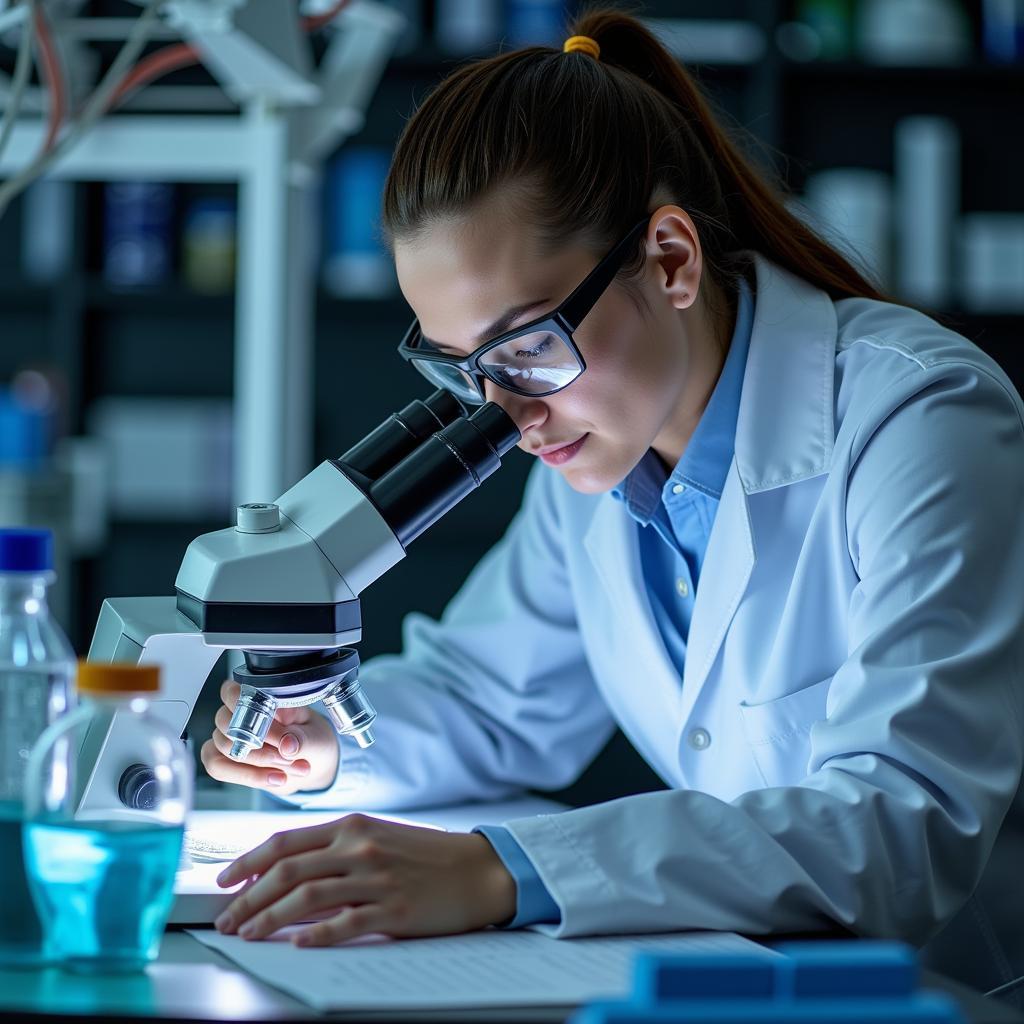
<point x="650" y="370"/>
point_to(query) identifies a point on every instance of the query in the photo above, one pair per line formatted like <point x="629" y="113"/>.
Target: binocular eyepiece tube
<point x="442" y="470"/>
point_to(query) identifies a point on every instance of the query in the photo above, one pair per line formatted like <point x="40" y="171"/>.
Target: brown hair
<point x="582" y="146"/>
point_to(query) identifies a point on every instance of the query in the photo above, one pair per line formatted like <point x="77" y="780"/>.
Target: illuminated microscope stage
<point x="214" y="838"/>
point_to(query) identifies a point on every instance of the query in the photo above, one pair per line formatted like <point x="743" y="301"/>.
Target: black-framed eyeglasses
<point x="536" y="359"/>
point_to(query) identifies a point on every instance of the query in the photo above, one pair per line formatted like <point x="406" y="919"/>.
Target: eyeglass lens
<point x="443" y="375"/>
<point x="531" y="364"/>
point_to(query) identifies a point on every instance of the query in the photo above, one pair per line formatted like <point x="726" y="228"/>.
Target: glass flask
<point x="102" y="836"/>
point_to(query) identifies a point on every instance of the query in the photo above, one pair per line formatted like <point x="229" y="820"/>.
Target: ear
<point x="672" y="242"/>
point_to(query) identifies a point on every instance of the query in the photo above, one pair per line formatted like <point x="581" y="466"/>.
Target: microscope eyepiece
<point x="443" y="470"/>
<point x="400" y="434"/>
<point x="497" y="427"/>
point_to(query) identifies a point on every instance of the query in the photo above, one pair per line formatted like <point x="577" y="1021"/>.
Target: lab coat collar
<point x="785" y="429"/>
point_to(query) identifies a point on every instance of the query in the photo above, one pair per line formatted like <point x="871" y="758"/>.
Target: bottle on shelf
<point x="36" y="675"/>
<point x="137" y="249"/>
<point x="101" y="871"/>
<point x="208" y="249"/>
<point x="356" y="265"/>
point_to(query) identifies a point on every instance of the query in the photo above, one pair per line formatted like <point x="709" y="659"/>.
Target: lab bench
<point x="189" y="981"/>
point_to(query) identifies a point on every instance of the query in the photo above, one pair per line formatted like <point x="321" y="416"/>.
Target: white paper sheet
<point x="492" y="968"/>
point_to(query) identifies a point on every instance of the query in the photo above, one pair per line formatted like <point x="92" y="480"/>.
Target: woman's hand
<point x="300" y="752"/>
<point x="359" y="875"/>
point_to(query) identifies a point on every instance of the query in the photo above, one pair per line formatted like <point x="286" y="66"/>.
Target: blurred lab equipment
<point x="831" y="21"/>
<point x="827" y="982"/>
<point x="467" y="26"/>
<point x="281" y="588"/>
<point x="990" y="263"/>
<point x="1003" y="30"/>
<point x="36" y="672"/>
<point x="853" y="206"/>
<point x="26" y="429"/>
<point x="208" y="248"/>
<point x="534" y="22"/>
<point x="102" y="880"/>
<point x="170" y="458"/>
<point x="927" y="204"/>
<point x="48" y="220"/>
<point x="356" y="263"/>
<point x="137" y="233"/>
<point x="913" y="32"/>
<point x="50" y="480"/>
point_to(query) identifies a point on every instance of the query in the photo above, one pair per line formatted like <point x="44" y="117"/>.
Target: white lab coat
<point x="856" y="660"/>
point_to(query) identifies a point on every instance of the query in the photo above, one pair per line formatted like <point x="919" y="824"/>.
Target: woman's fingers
<point x="281" y="844"/>
<point x="348" y="924"/>
<point x="286" y="731"/>
<point x="229" y="691"/>
<point x="269" y="754"/>
<point x="265" y="757"/>
<point x="297" y="888"/>
<point x="285" y="734"/>
<point x="301" y="904"/>
<point x="221" y="767"/>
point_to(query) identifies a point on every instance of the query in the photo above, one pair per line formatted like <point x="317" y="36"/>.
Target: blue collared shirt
<point x="675" y="512"/>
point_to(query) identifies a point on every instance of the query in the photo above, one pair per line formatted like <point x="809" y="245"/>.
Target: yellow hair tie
<point x="584" y="43"/>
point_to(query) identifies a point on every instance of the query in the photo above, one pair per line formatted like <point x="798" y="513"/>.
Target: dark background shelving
<point x="171" y="341"/>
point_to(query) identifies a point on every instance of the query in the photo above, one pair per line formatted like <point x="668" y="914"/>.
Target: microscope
<point x="281" y="588"/>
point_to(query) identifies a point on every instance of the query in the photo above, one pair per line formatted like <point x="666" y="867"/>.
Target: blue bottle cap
<point x="26" y="550"/>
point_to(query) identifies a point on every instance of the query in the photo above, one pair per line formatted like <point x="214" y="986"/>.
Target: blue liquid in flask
<point x="104" y="893"/>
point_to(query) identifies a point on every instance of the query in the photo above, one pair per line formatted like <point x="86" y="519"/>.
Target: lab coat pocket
<point x="778" y="732"/>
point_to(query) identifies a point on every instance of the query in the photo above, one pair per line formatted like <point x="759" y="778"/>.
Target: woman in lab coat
<point x="773" y="533"/>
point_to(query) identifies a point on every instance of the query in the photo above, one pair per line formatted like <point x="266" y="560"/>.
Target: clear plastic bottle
<point x="101" y="868"/>
<point x="36" y="673"/>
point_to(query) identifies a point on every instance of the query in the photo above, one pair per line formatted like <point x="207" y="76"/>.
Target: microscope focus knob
<point x="138" y="788"/>
<point x="258" y="518"/>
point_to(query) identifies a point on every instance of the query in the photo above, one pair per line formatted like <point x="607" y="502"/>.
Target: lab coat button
<point x="682" y="588"/>
<point x="699" y="739"/>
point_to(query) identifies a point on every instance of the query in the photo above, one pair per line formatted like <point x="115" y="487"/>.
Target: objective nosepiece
<point x="273" y="679"/>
